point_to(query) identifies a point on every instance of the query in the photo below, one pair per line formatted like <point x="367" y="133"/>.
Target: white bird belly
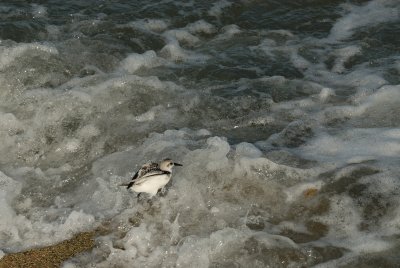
<point x="151" y="184"/>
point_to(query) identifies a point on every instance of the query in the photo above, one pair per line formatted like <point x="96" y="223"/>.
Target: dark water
<point x="284" y="114"/>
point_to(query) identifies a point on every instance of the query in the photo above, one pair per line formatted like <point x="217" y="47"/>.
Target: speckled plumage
<point x="151" y="177"/>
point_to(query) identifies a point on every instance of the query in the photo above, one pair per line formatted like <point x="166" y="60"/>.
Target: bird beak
<point x="176" y="164"/>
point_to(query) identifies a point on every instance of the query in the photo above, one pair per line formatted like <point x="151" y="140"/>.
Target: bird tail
<point x="127" y="184"/>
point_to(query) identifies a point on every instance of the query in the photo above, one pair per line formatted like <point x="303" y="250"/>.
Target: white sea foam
<point x="366" y="143"/>
<point x="9" y="54"/>
<point x="80" y="115"/>
<point x="155" y="25"/>
<point x="201" y="26"/>
<point x="186" y="36"/>
<point x="136" y="61"/>
<point x="370" y="14"/>
<point x="218" y="7"/>
<point x="20" y="232"/>
<point x="295" y="192"/>
<point x="343" y="55"/>
<point x="10" y="124"/>
<point x="325" y="94"/>
<point x="182" y="36"/>
<point x="173" y="51"/>
<point x="229" y="31"/>
<point x="344" y="219"/>
<point x="359" y="79"/>
<point x="298" y="61"/>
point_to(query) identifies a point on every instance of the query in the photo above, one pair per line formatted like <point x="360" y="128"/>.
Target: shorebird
<point x="151" y="177"/>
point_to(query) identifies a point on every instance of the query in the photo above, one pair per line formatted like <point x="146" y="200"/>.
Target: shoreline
<point x="50" y="256"/>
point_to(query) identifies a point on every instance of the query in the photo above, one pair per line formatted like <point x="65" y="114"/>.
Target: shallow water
<point x="284" y="115"/>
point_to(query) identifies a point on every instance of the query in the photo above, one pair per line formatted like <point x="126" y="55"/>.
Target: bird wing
<point x="148" y="175"/>
<point x="143" y="171"/>
<point x="147" y="168"/>
<point x="129" y="185"/>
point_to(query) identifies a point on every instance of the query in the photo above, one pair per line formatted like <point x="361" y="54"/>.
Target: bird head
<point x="168" y="164"/>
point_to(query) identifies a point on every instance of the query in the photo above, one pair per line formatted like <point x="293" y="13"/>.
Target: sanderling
<point x="151" y="177"/>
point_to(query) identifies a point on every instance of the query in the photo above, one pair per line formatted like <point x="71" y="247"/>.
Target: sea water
<point x="284" y="114"/>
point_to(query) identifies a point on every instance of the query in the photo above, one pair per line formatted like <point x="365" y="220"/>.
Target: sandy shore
<point x="51" y="256"/>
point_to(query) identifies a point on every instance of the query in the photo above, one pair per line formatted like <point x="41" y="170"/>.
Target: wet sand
<point x="51" y="256"/>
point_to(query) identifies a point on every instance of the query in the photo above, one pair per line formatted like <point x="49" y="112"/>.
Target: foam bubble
<point x="201" y="26"/>
<point x="174" y="52"/>
<point x="72" y="145"/>
<point x="156" y="25"/>
<point x="228" y="32"/>
<point x="136" y="61"/>
<point x="325" y="94"/>
<point x="182" y="36"/>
